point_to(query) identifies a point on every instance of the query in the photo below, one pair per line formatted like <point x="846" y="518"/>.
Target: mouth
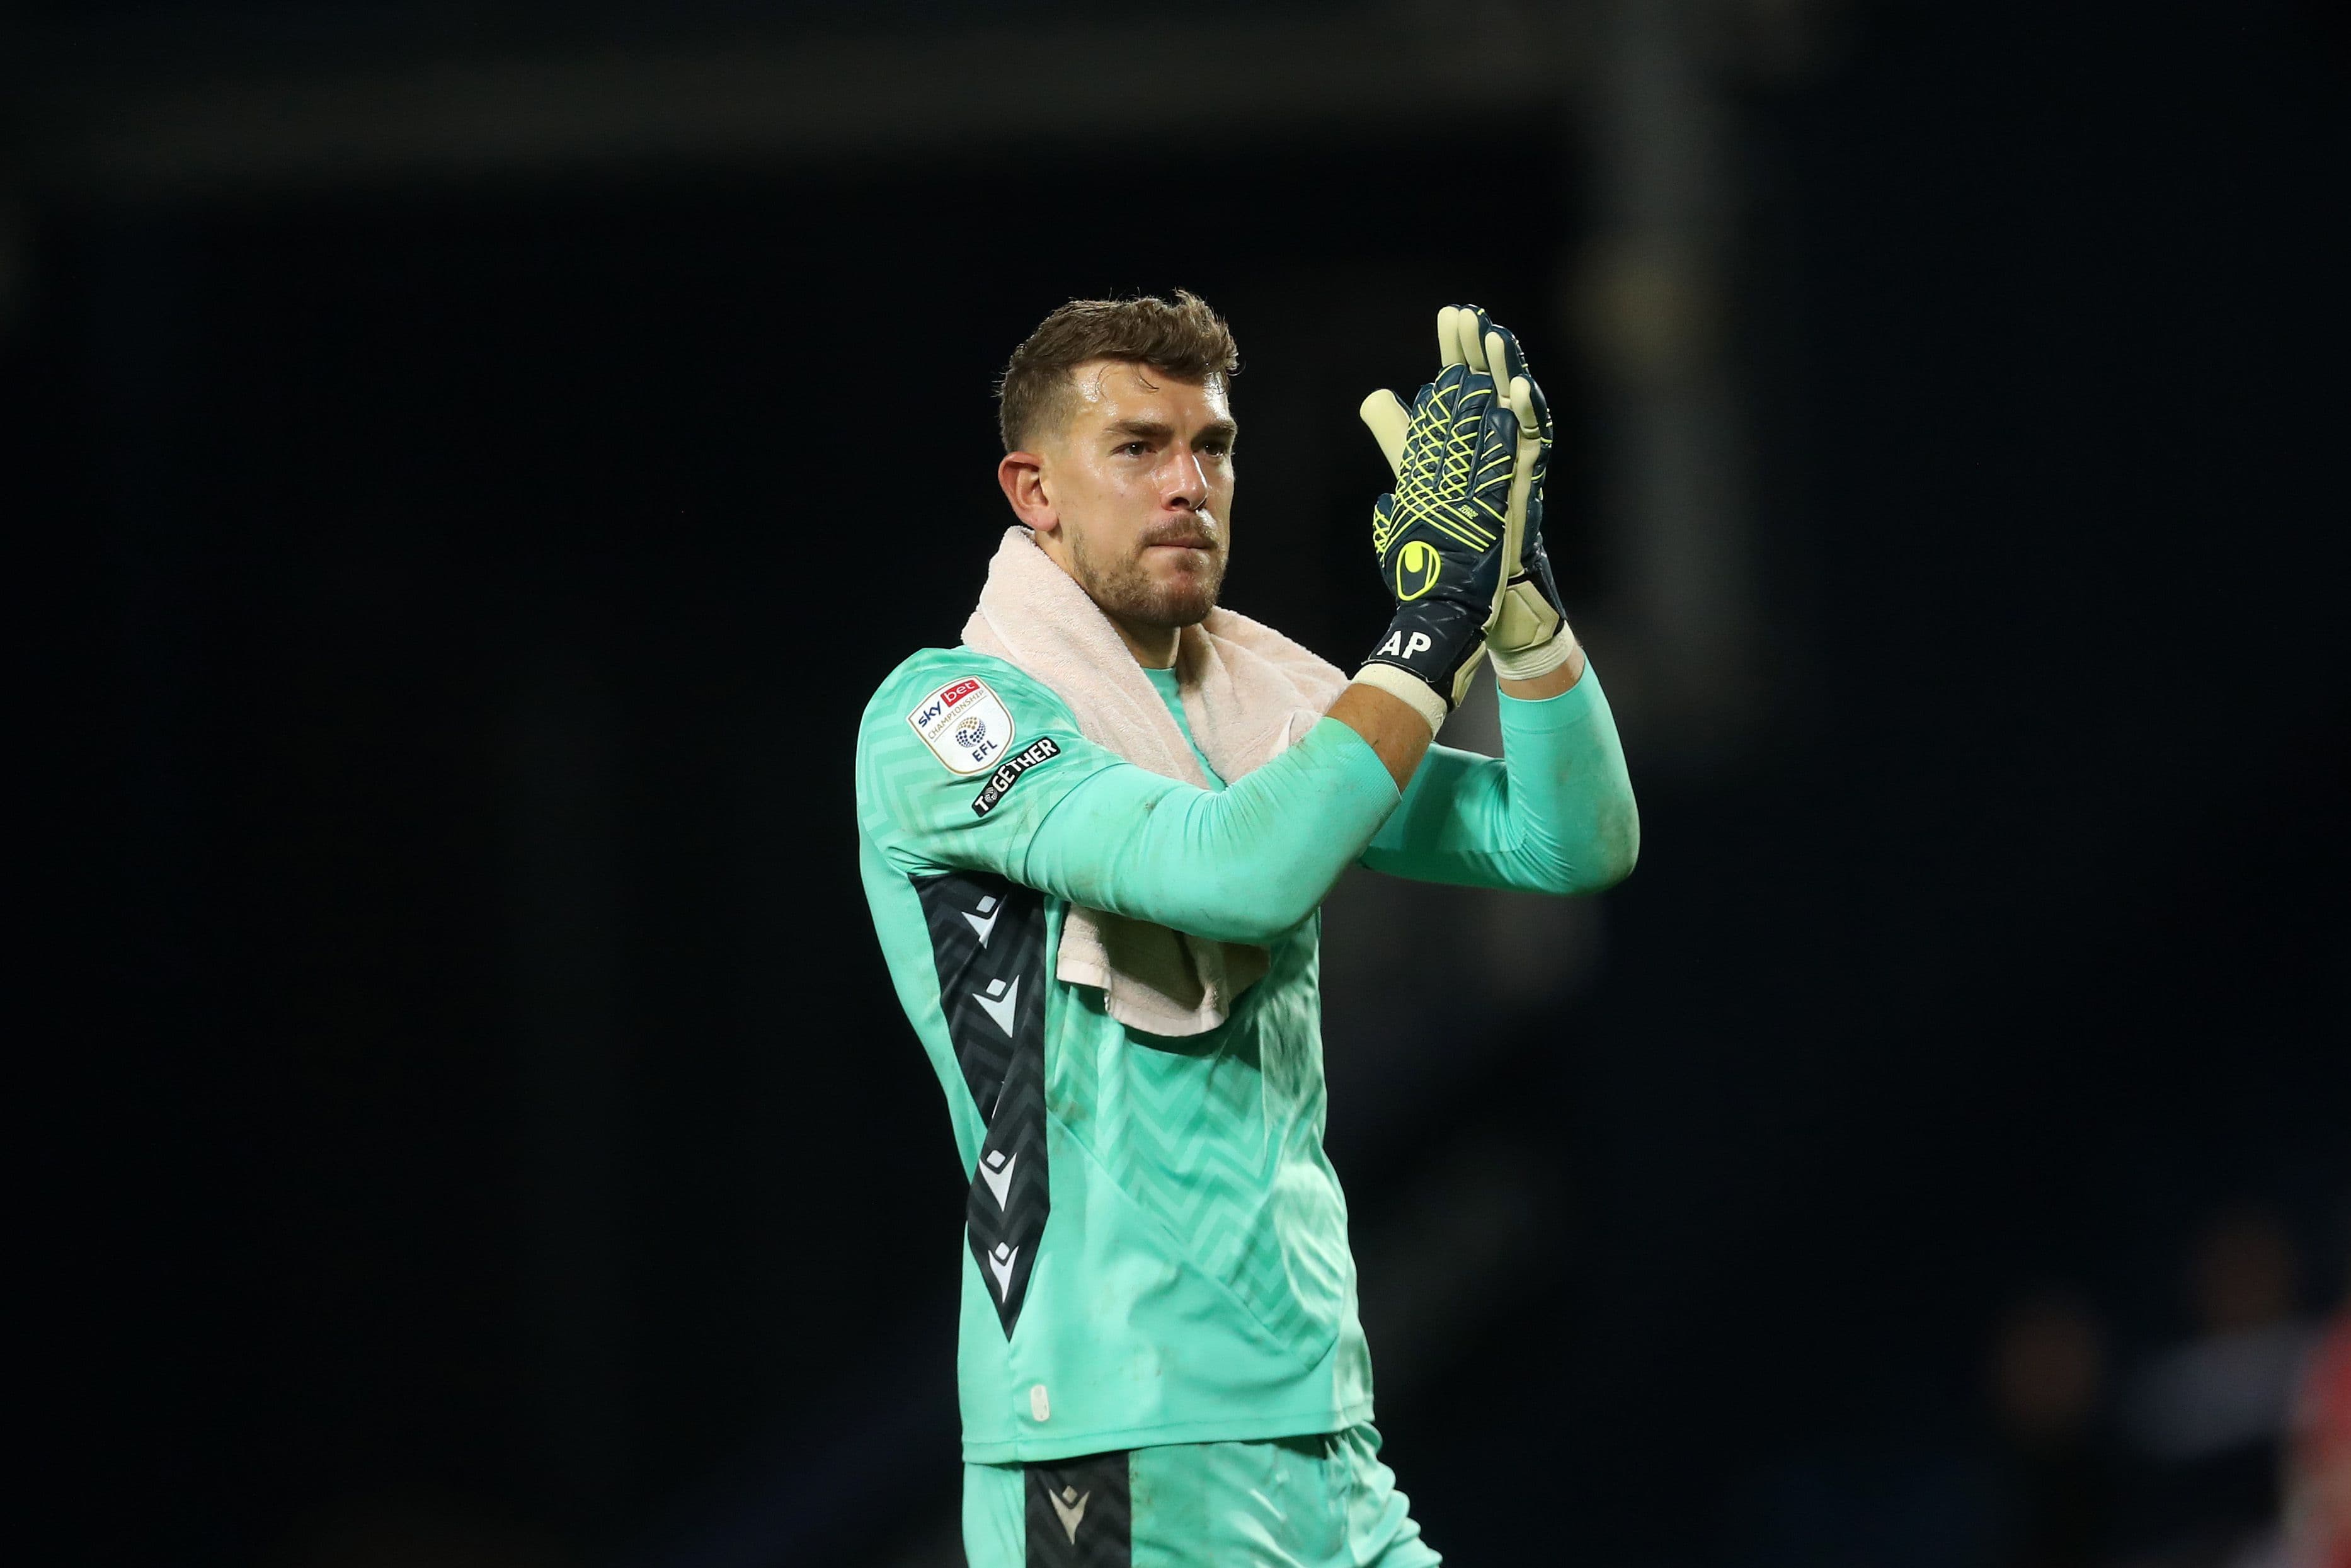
<point x="1198" y="544"/>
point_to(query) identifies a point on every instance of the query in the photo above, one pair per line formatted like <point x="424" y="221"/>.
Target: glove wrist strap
<point x="1406" y="688"/>
<point x="1527" y="663"/>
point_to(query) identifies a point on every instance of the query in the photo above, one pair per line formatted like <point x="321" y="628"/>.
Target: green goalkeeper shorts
<point x="1291" y="1502"/>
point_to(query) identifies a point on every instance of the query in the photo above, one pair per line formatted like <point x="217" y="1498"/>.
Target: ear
<point x="1022" y="474"/>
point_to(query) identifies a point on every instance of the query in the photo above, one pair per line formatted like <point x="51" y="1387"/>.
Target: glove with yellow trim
<point x="1442" y="535"/>
<point x="1529" y="636"/>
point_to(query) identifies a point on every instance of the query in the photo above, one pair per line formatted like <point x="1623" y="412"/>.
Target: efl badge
<point x="965" y="723"/>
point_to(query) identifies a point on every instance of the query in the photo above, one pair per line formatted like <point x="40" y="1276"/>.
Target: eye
<point x="1132" y="449"/>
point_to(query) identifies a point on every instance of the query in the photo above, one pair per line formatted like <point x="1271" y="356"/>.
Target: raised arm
<point x="1241" y="865"/>
<point x="966" y="763"/>
<point x="1555" y="814"/>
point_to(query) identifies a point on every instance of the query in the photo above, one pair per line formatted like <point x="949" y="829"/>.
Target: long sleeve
<point x="1053" y="811"/>
<point x="1554" y="814"/>
<point x="1242" y="865"/>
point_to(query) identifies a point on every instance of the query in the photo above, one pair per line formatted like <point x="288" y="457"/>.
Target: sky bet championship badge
<point x="965" y="723"/>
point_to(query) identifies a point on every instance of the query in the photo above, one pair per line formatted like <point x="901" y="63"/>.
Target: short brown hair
<point x="1185" y="340"/>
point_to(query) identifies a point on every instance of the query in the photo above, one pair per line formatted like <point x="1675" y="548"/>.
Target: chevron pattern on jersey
<point x="988" y="939"/>
<point x="1223" y="1146"/>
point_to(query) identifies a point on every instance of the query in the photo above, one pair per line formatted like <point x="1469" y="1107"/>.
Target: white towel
<point x="1248" y="693"/>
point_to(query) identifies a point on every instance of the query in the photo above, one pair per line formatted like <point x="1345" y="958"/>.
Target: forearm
<point x="1555" y="815"/>
<point x="1242" y="865"/>
<point x="1389" y="725"/>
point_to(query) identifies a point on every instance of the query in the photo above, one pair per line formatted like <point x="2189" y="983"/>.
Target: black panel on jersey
<point x="985" y="930"/>
<point x="987" y="939"/>
<point x="1080" y="1513"/>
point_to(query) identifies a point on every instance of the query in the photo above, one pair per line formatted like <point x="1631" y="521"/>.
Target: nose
<point x="1182" y="481"/>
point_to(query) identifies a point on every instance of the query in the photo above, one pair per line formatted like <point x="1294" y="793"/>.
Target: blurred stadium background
<point x="495" y="448"/>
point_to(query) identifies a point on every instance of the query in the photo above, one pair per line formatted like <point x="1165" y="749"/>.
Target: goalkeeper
<point x="1095" y="838"/>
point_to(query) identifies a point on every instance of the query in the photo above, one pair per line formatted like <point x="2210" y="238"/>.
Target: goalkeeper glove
<point x="1441" y="534"/>
<point x="1529" y="636"/>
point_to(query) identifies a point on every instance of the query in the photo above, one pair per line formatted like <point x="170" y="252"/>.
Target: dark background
<point x="492" y="454"/>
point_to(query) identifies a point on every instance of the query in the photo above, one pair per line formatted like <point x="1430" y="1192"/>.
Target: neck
<point x="1154" y="647"/>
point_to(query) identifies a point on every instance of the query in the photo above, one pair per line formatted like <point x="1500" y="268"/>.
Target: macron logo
<point x="1070" y="1505"/>
<point x="996" y="1171"/>
<point x="984" y="922"/>
<point x="999" y="1001"/>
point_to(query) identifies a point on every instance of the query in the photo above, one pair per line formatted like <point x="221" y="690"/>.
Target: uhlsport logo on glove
<point x="1418" y="568"/>
<point x="965" y="723"/>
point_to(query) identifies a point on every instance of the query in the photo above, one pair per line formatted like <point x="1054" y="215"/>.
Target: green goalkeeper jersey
<point x="1156" y="1245"/>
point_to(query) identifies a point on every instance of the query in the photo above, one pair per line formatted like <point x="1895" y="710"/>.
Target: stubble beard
<point x="1125" y="592"/>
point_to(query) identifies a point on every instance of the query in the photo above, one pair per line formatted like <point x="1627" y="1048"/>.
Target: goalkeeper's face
<point x="1139" y="486"/>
